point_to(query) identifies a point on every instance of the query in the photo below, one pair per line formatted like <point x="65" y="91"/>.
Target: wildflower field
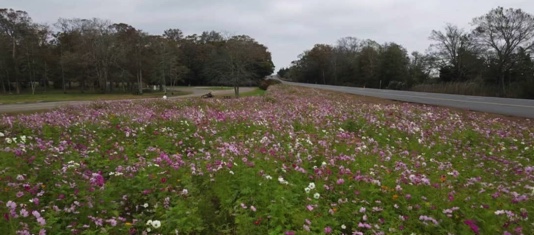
<point x="294" y="161"/>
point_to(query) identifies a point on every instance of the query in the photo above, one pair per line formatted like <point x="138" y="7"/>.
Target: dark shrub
<point x="266" y="83"/>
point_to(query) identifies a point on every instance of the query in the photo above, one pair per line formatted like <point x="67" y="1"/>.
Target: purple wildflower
<point x="472" y="225"/>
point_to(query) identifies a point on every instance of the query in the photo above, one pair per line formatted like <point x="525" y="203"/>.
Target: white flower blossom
<point x="316" y="195"/>
<point x="156" y="224"/>
<point x="282" y="180"/>
<point x="311" y="185"/>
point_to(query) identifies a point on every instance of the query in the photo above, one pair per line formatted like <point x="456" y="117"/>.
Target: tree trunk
<point x="30" y="73"/>
<point x="17" y="82"/>
<point x="3" y="86"/>
<point x="62" y="69"/>
<point x="140" y="81"/>
<point x="236" y="91"/>
<point x="503" y="84"/>
<point x="8" y="82"/>
<point x="45" y="76"/>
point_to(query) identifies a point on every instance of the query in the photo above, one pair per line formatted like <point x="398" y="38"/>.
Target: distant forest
<point x="494" y="58"/>
<point x="102" y="56"/>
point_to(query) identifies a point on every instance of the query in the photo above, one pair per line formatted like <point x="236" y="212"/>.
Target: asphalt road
<point x="511" y="107"/>
<point x="195" y="92"/>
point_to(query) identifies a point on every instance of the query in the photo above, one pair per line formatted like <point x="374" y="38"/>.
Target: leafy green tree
<point x="369" y="66"/>
<point x="239" y="61"/>
<point x="283" y="72"/>
<point x="14" y="26"/>
<point x="394" y="65"/>
<point x="421" y="67"/>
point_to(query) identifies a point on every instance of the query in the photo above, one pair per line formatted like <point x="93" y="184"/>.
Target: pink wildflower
<point x="472" y="225"/>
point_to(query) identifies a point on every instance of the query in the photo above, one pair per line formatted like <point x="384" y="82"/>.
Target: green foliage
<point x="99" y="55"/>
<point x="283" y="72"/>
<point x="238" y="61"/>
<point x="527" y="89"/>
<point x="480" y="56"/>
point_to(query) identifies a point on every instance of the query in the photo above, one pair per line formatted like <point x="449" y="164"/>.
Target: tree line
<point x="99" y="55"/>
<point x="495" y="56"/>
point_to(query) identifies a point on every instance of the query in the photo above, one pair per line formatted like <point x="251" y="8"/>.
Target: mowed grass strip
<point x="58" y="95"/>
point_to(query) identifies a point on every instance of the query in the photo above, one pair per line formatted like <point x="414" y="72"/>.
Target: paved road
<point x="511" y="107"/>
<point x="195" y="92"/>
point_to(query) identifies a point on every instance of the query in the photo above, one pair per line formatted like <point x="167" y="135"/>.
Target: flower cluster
<point x="365" y="166"/>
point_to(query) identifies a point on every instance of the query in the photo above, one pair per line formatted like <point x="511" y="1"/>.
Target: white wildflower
<point x="156" y="224"/>
<point x="282" y="180"/>
<point x="311" y="185"/>
<point x="316" y="195"/>
<point x="307" y="190"/>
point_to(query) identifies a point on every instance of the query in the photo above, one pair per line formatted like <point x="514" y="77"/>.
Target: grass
<point x="458" y="88"/>
<point x="215" y="88"/>
<point x="58" y="95"/>
<point x="256" y="92"/>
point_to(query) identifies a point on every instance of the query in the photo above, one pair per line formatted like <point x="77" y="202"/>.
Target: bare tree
<point x="349" y="45"/>
<point x="449" y="47"/>
<point x="503" y="32"/>
<point x="448" y="43"/>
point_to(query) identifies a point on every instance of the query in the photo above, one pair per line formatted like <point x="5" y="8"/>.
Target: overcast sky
<point x="286" y="27"/>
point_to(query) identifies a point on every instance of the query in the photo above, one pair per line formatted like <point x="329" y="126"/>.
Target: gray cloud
<point x="287" y="27"/>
